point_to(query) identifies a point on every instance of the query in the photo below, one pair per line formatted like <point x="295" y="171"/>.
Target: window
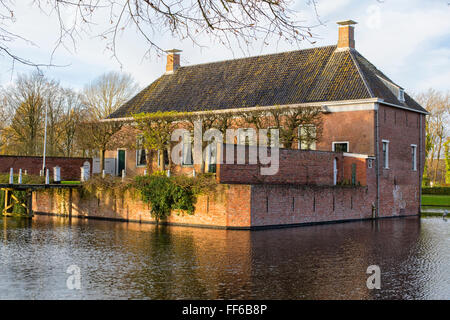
<point x="401" y="95"/>
<point x="212" y="157"/>
<point x="340" y="146"/>
<point x="246" y="136"/>
<point x="414" y="157"/>
<point x="307" y="137"/>
<point x="141" y="158"/>
<point x="165" y="156"/>
<point x="187" y="158"/>
<point x="386" y="154"/>
<point x="370" y="163"/>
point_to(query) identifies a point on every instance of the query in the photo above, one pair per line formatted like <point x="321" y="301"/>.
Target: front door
<point x="120" y="161"/>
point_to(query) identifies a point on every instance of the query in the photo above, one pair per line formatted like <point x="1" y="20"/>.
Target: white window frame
<point x="401" y="95"/>
<point x="340" y="142"/>
<point x="211" y="159"/>
<point x="299" y="137"/>
<point x="187" y="136"/>
<point x="385" y="159"/>
<point x="414" y="147"/>
<point x="138" y="154"/>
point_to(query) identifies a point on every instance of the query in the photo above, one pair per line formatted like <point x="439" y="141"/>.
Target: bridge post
<point x="8" y="207"/>
<point x="70" y="203"/>
<point x="30" y="203"/>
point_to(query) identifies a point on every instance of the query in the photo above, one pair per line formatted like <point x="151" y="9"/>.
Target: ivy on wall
<point x="165" y="194"/>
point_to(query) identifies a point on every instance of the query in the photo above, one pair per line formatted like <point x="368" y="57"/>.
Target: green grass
<point x="70" y="182"/>
<point x="435" y="200"/>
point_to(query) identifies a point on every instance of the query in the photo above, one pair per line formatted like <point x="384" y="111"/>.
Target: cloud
<point x="407" y="40"/>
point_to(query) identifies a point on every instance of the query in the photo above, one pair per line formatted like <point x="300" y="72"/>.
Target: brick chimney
<point x="173" y="60"/>
<point x="346" y="34"/>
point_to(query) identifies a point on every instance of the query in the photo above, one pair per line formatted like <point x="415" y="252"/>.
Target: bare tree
<point x="207" y="121"/>
<point x="289" y="121"/>
<point x="70" y="122"/>
<point x="25" y="100"/>
<point x="156" y="129"/>
<point x="101" y="98"/>
<point x="228" y="22"/>
<point x="438" y="105"/>
<point x="96" y="135"/>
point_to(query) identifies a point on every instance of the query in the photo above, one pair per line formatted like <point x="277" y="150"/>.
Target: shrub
<point x="165" y="194"/>
<point x="111" y="184"/>
<point x="436" y="190"/>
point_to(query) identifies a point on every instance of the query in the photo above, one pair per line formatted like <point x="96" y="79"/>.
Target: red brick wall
<point x="70" y="167"/>
<point x="229" y="206"/>
<point x="400" y="185"/>
<point x="361" y="169"/>
<point x="356" y="127"/>
<point x="295" y="167"/>
<point x="281" y="205"/>
<point x="232" y="206"/>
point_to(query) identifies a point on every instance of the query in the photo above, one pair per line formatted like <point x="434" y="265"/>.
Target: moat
<point x="143" y="261"/>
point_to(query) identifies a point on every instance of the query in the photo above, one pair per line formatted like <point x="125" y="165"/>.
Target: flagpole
<point x="45" y="141"/>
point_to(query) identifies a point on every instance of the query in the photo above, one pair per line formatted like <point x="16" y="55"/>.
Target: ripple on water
<point x="133" y="261"/>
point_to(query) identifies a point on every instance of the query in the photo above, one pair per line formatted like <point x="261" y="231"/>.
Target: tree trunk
<point x="204" y="155"/>
<point x="437" y="163"/>
<point x="148" y="160"/>
<point x="102" y="160"/>
<point x="161" y="160"/>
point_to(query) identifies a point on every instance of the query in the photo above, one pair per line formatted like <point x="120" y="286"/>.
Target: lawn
<point x="435" y="200"/>
<point x="70" y="182"/>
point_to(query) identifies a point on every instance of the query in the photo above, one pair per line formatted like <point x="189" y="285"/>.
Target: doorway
<point x="120" y="161"/>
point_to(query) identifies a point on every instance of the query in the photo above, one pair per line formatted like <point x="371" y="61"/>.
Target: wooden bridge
<point x="11" y="200"/>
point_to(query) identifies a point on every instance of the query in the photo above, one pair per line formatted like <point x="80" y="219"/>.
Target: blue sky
<point x="408" y="40"/>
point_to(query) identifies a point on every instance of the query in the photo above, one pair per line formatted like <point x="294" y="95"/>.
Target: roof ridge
<point x="363" y="78"/>
<point x="257" y="56"/>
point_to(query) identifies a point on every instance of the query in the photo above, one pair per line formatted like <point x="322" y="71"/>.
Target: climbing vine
<point x="165" y="194"/>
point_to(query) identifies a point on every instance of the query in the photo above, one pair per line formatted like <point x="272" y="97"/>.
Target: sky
<point x="409" y="40"/>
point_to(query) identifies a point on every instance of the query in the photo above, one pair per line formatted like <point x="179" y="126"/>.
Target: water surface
<point x="142" y="261"/>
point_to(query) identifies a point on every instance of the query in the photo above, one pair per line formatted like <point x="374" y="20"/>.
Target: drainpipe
<point x="377" y="151"/>
<point x="419" y="156"/>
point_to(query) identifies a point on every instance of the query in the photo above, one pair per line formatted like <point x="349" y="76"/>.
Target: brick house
<point x="373" y="135"/>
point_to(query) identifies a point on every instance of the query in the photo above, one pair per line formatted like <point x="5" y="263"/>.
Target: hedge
<point x="436" y="190"/>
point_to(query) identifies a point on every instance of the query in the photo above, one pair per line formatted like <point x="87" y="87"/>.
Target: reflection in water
<point x="134" y="261"/>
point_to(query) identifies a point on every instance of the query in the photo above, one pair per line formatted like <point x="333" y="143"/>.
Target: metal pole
<point x="45" y="140"/>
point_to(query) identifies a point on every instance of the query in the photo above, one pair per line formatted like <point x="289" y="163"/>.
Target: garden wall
<point x="232" y="206"/>
<point x="226" y="208"/>
<point x="70" y="167"/>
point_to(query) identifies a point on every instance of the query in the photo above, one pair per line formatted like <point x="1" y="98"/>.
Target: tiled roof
<point x="311" y="75"/>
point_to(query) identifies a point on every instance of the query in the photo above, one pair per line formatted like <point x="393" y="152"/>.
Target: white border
<point x="385" y="161"/>
<point x="334" y="142"/>
<point x="415" y="156"/>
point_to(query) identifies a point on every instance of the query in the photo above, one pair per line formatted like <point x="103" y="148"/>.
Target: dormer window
<point x="395" y="89"/>
<point x="401" y="95"/>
